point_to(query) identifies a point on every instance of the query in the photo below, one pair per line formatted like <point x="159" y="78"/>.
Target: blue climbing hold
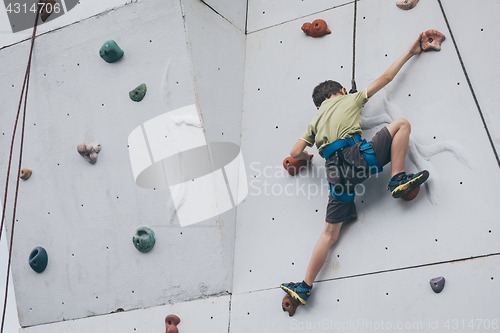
<point x="110" y="51"/>
<point x="38" y="259"/>
<point x="144" y="239"/>
<point x="437" y="284"/>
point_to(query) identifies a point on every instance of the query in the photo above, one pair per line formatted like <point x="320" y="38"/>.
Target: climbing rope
<point x="353" y="82"/>
<point x="25" y="85"/>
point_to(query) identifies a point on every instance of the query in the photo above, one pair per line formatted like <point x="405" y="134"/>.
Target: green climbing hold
<point x="38" y="259"/>
<point x="144" y="239"/>
<point x="110" y="51"/>
<point x="138" y="93"/>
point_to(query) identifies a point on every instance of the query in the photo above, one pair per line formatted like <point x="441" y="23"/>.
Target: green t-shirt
<point x="336" y="118"/>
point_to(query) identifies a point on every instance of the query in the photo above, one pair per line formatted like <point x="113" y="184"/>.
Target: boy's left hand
<point x="415" y="48"/>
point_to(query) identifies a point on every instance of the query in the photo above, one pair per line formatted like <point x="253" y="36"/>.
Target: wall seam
<point x="206" y="4"/>
<point x="391" y="270"/>
<point x="299" y="18"/>
<point x="470" y="84"/>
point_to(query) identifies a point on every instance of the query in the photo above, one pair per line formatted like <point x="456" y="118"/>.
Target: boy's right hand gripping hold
<point x="416" y="47"/>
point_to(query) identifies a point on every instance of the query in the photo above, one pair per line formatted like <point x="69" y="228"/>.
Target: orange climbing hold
<point x="407" y="4"/>
<point x="171" y="321"/>
<point x="315" y="29"/>
<point x="293" y="166"/>
<point x="431" y="40"/>
<point x="25" y="173"/>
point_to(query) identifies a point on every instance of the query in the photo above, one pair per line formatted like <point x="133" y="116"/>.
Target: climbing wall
<point x="85" y="215"/>
<point x="380" y="268"/>
<point x="232" y="82"/>
<point x="16" y="21"/>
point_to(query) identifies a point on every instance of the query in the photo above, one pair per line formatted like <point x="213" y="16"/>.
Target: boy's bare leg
<point x="400" y="131"/>
<point x="326" y="240"/>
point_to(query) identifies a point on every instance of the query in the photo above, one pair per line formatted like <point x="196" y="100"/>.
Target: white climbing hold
<point x="88" y="151"/>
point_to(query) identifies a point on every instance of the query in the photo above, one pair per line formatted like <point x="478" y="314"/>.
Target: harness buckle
<point x="366" y="148"/>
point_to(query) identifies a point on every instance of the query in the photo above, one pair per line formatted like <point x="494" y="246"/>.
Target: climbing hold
<point x="293" y="166"/>
<point x="316" y="29"/>
<point x="171" y="322"/>
<point x="92" y="158"/>
<point x="407" y="4"/>
<point x="97" y="147"/>
<point x="88" y="151"/>
<point x="25" y="173"/>
<point x="437" y="284"/>
<point x="110" y="51"/>
<point x="412" y="194"/>
<point x="38" y="259"/>
<point x="289" y="304"/>
<point x="432" y="39"/>
<point x="144" y="239"/>
<point x="47" y="9"/>
<point x="138" y="93"/>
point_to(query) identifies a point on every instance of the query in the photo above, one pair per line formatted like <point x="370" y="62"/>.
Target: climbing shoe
<point x="404" y="183"/>
<point x="298" y="293"/>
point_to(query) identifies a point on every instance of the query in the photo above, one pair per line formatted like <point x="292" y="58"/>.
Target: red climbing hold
<point x="412" y="194"/>
<point x="289" y="304"/>
<point x="431" y="40"/>
<point x="407" y="4"/>
<point x="171" y="321"/>
<point x="316" y="29"/>
<point x="293" y="166"/>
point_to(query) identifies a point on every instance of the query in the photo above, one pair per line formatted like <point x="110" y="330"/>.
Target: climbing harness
<point x="339" y="191"/>
<point x="353" y="82"/>
<point x="25" y="85"/>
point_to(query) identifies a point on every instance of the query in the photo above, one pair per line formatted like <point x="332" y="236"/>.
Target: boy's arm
<point x="391" y="72"/>
<point x="298" y="151"/>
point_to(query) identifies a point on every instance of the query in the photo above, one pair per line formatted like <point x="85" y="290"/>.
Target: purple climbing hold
<point x="437" y="284"/>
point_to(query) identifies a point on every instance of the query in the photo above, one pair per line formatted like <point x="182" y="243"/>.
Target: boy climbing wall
<point x="336" y="130"/>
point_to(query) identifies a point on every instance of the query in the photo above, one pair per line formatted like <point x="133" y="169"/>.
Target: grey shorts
<point x="355" y="172"/>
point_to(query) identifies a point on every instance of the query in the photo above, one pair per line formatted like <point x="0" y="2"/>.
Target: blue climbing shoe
<point x="298" y="293"/>
<point x="407" y="182"/>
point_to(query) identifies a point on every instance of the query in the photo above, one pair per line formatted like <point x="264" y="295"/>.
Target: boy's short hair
<point x="324" y="90"/>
